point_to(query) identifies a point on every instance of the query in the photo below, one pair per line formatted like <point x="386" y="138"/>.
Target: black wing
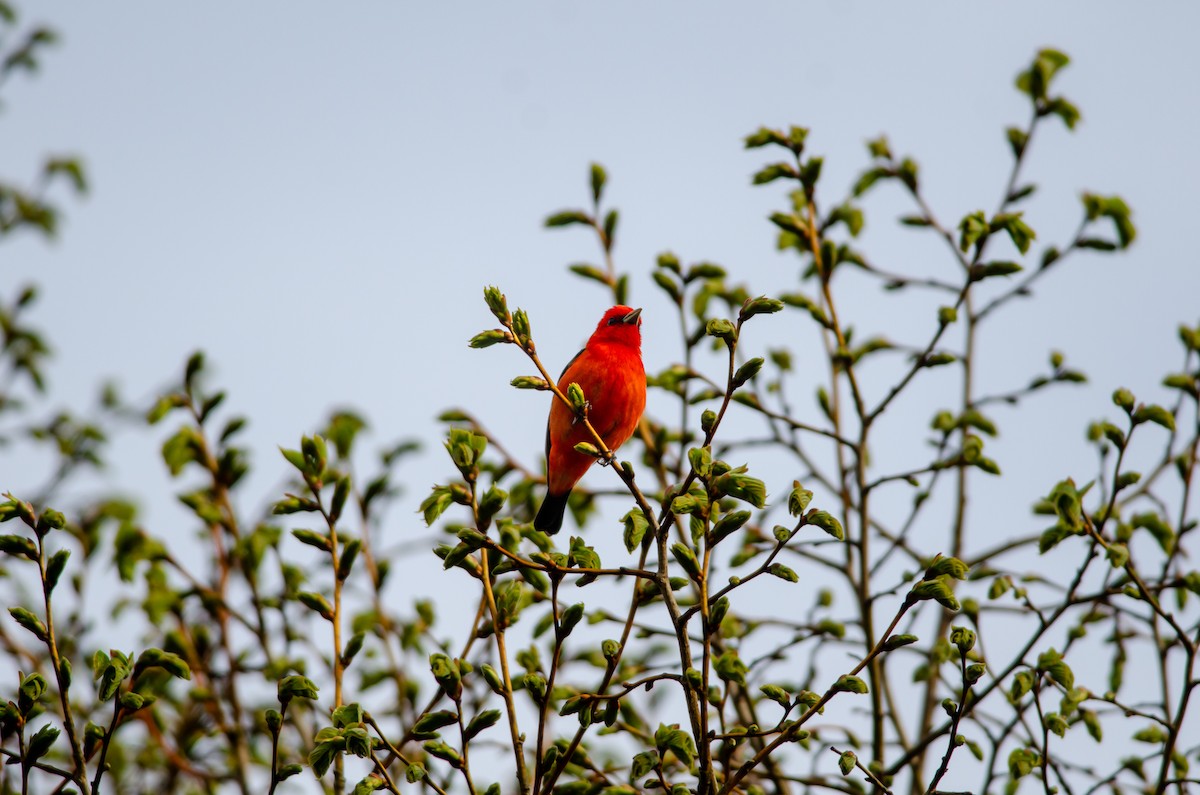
<point x="560" y="375"/>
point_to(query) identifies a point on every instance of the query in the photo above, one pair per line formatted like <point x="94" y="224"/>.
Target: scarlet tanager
<point x="609" y="371"/>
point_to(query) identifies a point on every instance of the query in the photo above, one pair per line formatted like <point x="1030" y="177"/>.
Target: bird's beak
<point x="632" y="318"/>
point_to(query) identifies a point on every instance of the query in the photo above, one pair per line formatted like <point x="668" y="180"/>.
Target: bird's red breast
<point x="609" y="370"/>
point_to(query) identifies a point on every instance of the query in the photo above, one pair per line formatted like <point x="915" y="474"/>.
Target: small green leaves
<point x="1034" y="82"/>
<point x="465" y="449"/>
<point x="777" y="694"/>
<point x="827" y="522"/>
<point x="644" y="763"/>
<point x="530" y="382"/>
<point x="486" y="339"/>
<point x="946" y="566"/>
<point x="727" y="524"/>
<point x="569" y="619"/>
<point x="497" y="303"/>
<point x="937" y="590"/>
<point x="290" y="687"/>
<point x="568" y="218"/>
<point x="19" y="546"/>
<point x="1152" y="734"/>
<point x="598" y="178"/>
<point x="759" y="306"/>
<point x="793" y="140"/>
<point x="636" y="524"/>
<point x="995" y="268"/>
<point x="520" y="329"/>
<point x="1113" y="208"/>
<point x="746" y="372"/>
<point x="482" y="721"/>
<point x="846" y="762"/>
<point x="799" y="499"/>
<point x="1018" y="231"/>
<point x="588" y="449"/>
<point x="1022" y="761"/>
<point x="896" y="641"/>
<point x="30" y="622"/>
<point x="741" y="486"/>
<point x="730" y="667"/>
<point x="1156" y="414"/>
<point x="721" y="329"/>
<point x="167" y="661"/>
<point x="317" y="603"/>
<point x="850" y="684"/>
<point x="773" y="172"/>
<point x="687" y="559"/>
<point x="429" y="724"/>
<point x="783" y="572"/>
<point x="577" y="398"/>
<point x="436" y="503"/>
<point x="963" y="638"/>
<point x="971" y="228"/>
<point x="1051" y="662"/>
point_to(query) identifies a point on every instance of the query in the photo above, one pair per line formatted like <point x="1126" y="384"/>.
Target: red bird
<point x="609" y="370"/>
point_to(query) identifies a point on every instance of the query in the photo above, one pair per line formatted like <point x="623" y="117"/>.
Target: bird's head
<point x="622" y="325"/>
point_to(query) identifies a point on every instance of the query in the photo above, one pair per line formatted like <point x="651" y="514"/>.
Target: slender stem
<point x="518" y="739"/>
<point x="80" y="769"/>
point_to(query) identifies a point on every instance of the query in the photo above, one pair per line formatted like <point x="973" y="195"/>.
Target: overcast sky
<point x="316" y="195"/>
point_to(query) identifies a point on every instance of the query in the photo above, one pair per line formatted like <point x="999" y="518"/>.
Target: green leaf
<point x="30" y="622"/>
<point x="773" y="172"/>
<point x="799" y="499"/>
<point x="484" y="720"/>
<point x="485" y="339"/>
<point x="747" y="371"/>
<point x="1017" y="139"/>
<point x="759" y="306"/>
<point x="743" y="487"/>
<point x="598" y="177"/>
<point x="727" y="524"/>
<point x="783" y="572"/>
<point x="730" y="667"/>
<point x="645" y="762"/>
<point x="317" y="603"/>
<point x="437" y="502"/>
<point x="40" y="743"/>
<point x="636" y="526"/>
<point x="1154" y="524"/>
<point x="687" y="559"/>
<point x="868" y="178"/>
<point x="721" y="329"/>
<point x="896" y="641"/>
<point x="937" y="590"/>
<point x="1156" y="414"/>
<point x="1151" y="734"/>
<point x="568" y="218"/>
<point x="18" y="545"/>
<point x="948" y="566"/>
<point x="427" y="725"/>
<point x="850" y="684"/>
<point x="827" y="522"/>
<point x="1018" y="231"/>
<point x="777" y="694"/>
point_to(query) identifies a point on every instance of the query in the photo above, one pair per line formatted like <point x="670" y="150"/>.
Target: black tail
<point x="549" y="517"/>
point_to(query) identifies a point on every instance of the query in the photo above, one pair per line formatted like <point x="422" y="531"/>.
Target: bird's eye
<point x="612" y="321"/>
